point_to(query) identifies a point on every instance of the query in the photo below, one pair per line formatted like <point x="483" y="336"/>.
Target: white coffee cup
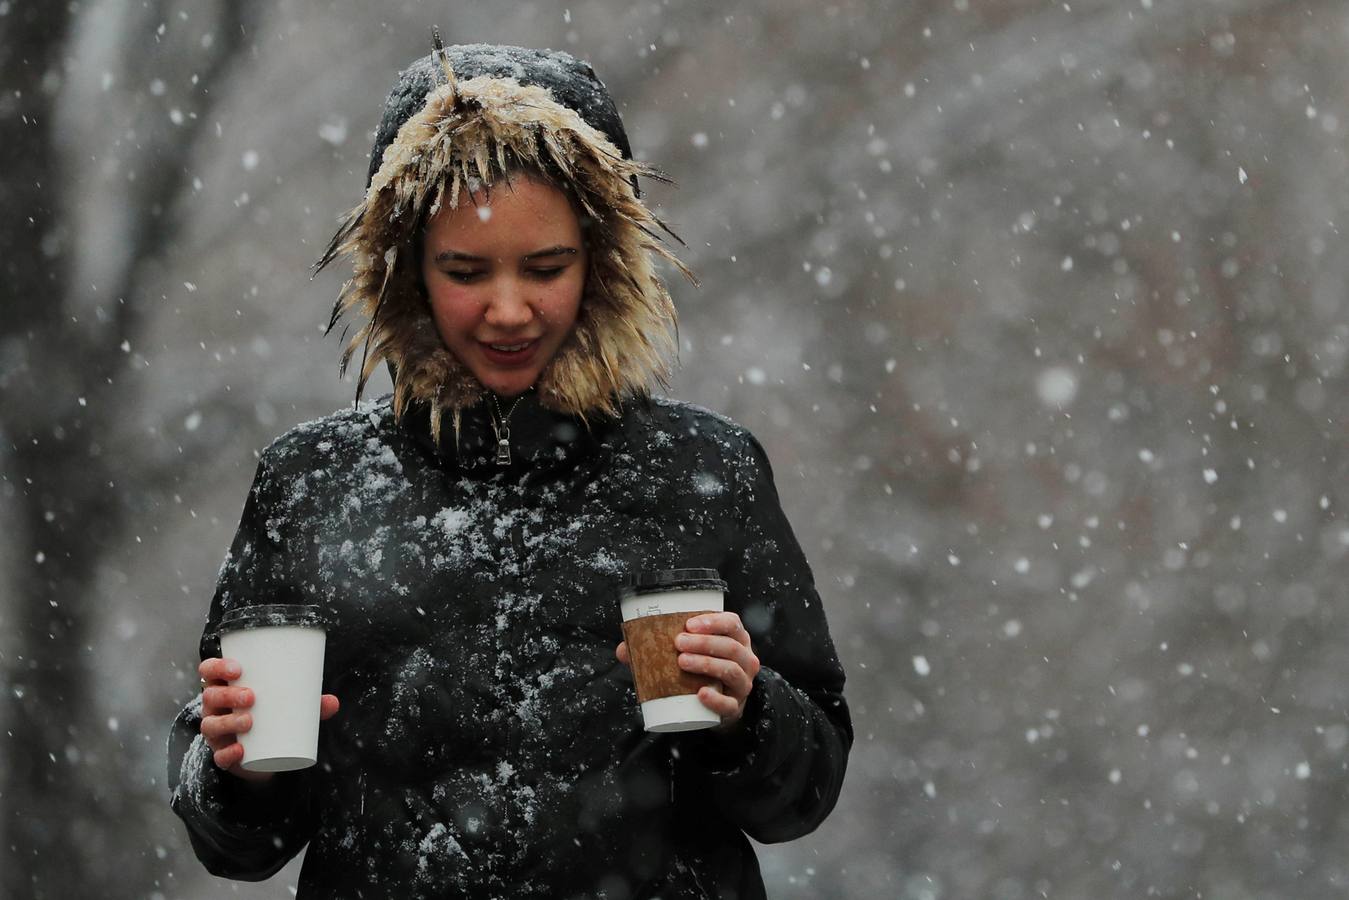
<point x="279" y="648"/>
<point x="677" y="593"/>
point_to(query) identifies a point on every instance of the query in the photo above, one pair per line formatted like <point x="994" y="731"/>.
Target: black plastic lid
<point x="271" y="614"/>
<point x="671" y="580"/>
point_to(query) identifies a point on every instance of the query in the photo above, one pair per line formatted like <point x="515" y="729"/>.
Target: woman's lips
<point x="520" y="357"/>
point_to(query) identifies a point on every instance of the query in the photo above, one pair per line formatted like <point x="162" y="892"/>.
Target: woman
<point x="467" y="534"/>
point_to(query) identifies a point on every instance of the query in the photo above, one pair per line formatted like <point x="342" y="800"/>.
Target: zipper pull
<point x="503" y="446"/>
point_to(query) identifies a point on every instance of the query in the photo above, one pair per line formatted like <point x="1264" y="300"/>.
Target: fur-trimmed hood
<point x="521" y="111"/>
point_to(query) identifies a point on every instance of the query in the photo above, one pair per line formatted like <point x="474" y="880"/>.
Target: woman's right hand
<point x="224" y="715"/>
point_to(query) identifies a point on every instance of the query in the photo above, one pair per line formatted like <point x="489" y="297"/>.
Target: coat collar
<point x="540" y="438"/>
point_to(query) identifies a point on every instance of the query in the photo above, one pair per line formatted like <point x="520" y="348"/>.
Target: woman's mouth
<point x="509" y="353"/>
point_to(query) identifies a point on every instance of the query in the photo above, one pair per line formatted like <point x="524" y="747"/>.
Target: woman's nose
<point x="509" y="307"/>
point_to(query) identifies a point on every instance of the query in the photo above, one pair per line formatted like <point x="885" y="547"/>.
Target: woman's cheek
<point x="454" y="307"/>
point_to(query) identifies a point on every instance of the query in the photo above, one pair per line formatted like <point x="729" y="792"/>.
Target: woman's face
<point x="505" y="279"/>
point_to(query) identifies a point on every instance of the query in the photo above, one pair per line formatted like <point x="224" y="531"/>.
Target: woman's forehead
<point x="507" y="216"/>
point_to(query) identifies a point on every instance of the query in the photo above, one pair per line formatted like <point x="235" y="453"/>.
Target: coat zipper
<point x="513" y="690"/>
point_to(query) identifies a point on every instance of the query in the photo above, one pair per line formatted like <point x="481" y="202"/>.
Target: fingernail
<point x="232" y="671"/>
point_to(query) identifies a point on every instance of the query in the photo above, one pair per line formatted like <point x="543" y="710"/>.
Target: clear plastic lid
<point x="273" y="614"/>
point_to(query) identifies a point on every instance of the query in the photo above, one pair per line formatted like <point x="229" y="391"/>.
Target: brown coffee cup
<point x="656" y="606"/>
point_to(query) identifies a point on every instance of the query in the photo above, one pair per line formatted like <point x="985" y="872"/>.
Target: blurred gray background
<point x="1038" y="307"/>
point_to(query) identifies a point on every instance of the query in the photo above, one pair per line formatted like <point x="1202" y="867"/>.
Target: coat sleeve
<point x="780" y="775"/>
<point x="238" y="829"/>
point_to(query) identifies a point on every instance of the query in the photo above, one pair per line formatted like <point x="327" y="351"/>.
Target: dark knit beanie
<point x="571" y="81"/>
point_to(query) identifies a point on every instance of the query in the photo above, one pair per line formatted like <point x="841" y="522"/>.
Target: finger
<point x="328" y="706"/>
<point x="622" y="653"/>
<point x="720" y="646"/>
<point x="723" y="705"/>
<point x="736" y="681"/>
<point x="229" y="757"/>
<point x="217" y="728"/>
<point x="226" y="698"/>
<point x="220" y="743"/>
<point x="217" y="669"/>
<point x="727" y="623"/>
<point x="220" y="726"/>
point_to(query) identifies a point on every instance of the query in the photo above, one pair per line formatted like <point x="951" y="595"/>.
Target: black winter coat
<point x="489" y="744"/>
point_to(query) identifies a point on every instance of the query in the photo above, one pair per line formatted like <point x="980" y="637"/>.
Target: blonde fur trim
<point x="481" y="132"/>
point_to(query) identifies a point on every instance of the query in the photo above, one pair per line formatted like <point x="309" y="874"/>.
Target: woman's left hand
<point x="717" y="645"/>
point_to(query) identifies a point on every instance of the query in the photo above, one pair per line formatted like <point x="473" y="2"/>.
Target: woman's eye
<point x="462" y="277"/>
<point x="550" y="272"/>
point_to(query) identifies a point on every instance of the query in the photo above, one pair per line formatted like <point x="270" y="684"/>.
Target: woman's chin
<point x="509" y="386"/>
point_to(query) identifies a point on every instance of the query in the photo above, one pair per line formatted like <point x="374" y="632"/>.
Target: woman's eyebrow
<point x="456" y="256"/>
<point x="552" y="251"/>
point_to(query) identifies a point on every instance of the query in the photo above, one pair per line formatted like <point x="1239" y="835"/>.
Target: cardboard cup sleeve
<point x="655" y="661"/>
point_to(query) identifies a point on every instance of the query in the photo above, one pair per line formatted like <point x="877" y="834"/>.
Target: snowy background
<point x="1038" y="307"/>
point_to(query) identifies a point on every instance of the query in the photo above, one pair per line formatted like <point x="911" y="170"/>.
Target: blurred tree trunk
<point x="44" y="694"/>
<point x="62" y="783"/>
